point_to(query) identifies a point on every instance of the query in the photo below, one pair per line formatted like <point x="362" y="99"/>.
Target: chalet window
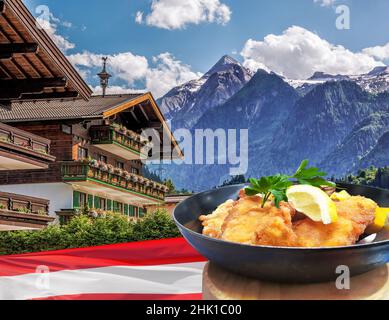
<point x="103" y="158"/>
<point x="83" y="199"/>
<point x="131" y="212"/>
<point x="120" y="165"/>
<point x="118" y="207"/>
<point x="135" y="170"/>
<point x="82" y="153"/>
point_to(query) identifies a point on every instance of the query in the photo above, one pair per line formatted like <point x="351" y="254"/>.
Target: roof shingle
<point x="62" y="109"/>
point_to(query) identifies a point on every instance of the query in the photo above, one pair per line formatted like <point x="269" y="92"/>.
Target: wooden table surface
<point x="219" y="284"/>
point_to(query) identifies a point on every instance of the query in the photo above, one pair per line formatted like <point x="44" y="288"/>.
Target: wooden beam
<point x="15" y="88"/>
<point x="11" y="24"/>
<point x="47" y="48"/>
<point x="144" y="113"/>
<point x="16" y="94"/>
<point x="134" y="116"/>
<point x="155" y="125"/>
<point x="8" y="50"/>
<point x="27" y="84"/>
<point x="140" y="115"/>
<point x="50" y="95"/>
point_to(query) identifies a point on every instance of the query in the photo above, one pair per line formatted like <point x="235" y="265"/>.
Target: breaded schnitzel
<point x="212" y="223"/>
<point x="248" y="223"/>
<point x="354" y="215"/>
<point x="245" y="221"/>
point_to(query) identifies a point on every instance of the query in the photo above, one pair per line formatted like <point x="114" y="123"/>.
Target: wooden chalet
<point x="31" y="67"/>
<point x="98" y="150"/>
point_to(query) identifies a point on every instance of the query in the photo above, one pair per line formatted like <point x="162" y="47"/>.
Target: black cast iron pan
<point x="280" y="264"/>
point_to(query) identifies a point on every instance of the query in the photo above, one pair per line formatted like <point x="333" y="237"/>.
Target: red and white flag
<point x="161" y="269"/>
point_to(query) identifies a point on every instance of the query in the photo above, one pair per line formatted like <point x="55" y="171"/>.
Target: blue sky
<point x="95" y="27"/>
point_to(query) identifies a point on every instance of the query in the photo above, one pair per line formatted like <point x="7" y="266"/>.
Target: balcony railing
<point x="15" y="138"/>
<point x="23" y="204"/>
<point x="106" y="174"/>
<point x="111" y="134"/>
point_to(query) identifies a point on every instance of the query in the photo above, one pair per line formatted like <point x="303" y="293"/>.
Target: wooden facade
<point x="23" y="150"/>
<point x="22" y="212"/>
<point x="31" y="67"/>
<point x="95" y="141"/>
<point x="99" y="154"/>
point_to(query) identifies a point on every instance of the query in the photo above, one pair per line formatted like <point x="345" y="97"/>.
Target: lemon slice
<point x="313" y="202"/>
<point x="381" y="219"/>
<point x="340" y="196"/>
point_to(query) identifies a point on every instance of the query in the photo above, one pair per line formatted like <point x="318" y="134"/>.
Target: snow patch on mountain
<point x="375" y="81"/>
<point x="185" y="104"/>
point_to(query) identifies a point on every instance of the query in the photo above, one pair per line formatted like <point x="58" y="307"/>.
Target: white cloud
<point x="325" y="3"/>
<point x="67" y="24"/>
<point x="113" y="90"/>
<point x="125" y="66"/>
<point x="379" y="52"/>
<point x="168" y="73"/>
<point x="50" y="23"/>
<point x="139" y="17"/>
<point x="177" y="14"/>
<point x="297" y="53"/>
<point x="164" y="73"/>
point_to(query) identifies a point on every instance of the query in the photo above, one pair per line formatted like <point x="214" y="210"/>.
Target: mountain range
<point x="185" y="104"/>
<point x="339" y="122"/>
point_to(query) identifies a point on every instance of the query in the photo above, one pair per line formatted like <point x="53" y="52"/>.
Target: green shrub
<point x="155" y="225"/>
<point x="85" y="231"/>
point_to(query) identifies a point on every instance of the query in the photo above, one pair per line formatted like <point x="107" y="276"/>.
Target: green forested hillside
<point x="372" y="176"/>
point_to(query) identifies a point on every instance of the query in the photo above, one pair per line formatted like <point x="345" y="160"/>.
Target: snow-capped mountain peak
<point x="226" y="64"/>
<point x="185" y="104"/>
<point x="375" y="81"/>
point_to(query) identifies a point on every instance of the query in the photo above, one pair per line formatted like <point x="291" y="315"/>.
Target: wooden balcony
<point x="117" y="140"/>
<point x="18" y="212"/>
<point x="21" y="150"/>
<point x="113" y="183"/>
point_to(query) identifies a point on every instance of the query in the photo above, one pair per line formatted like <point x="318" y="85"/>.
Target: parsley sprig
<point x="278" y="184"/>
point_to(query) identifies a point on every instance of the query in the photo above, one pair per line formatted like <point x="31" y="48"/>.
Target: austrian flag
<point x="152" y="270"/>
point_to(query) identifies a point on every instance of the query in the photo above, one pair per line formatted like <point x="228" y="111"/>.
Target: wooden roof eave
<point x="134" y="102"/>
<point x="45" y="43"/>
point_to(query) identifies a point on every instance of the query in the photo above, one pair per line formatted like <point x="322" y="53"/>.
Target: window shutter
<point x="90" y="201"/>
<point x="97" y="202"/>
<point x="126" y="212"/>
<point x="76" y="199"/>
<point x="109" y="205"/>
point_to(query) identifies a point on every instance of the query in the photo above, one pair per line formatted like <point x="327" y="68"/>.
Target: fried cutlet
<point x="354" y="215"/>
<point x="248" y="223"/>
<point x="212" y="223"/>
